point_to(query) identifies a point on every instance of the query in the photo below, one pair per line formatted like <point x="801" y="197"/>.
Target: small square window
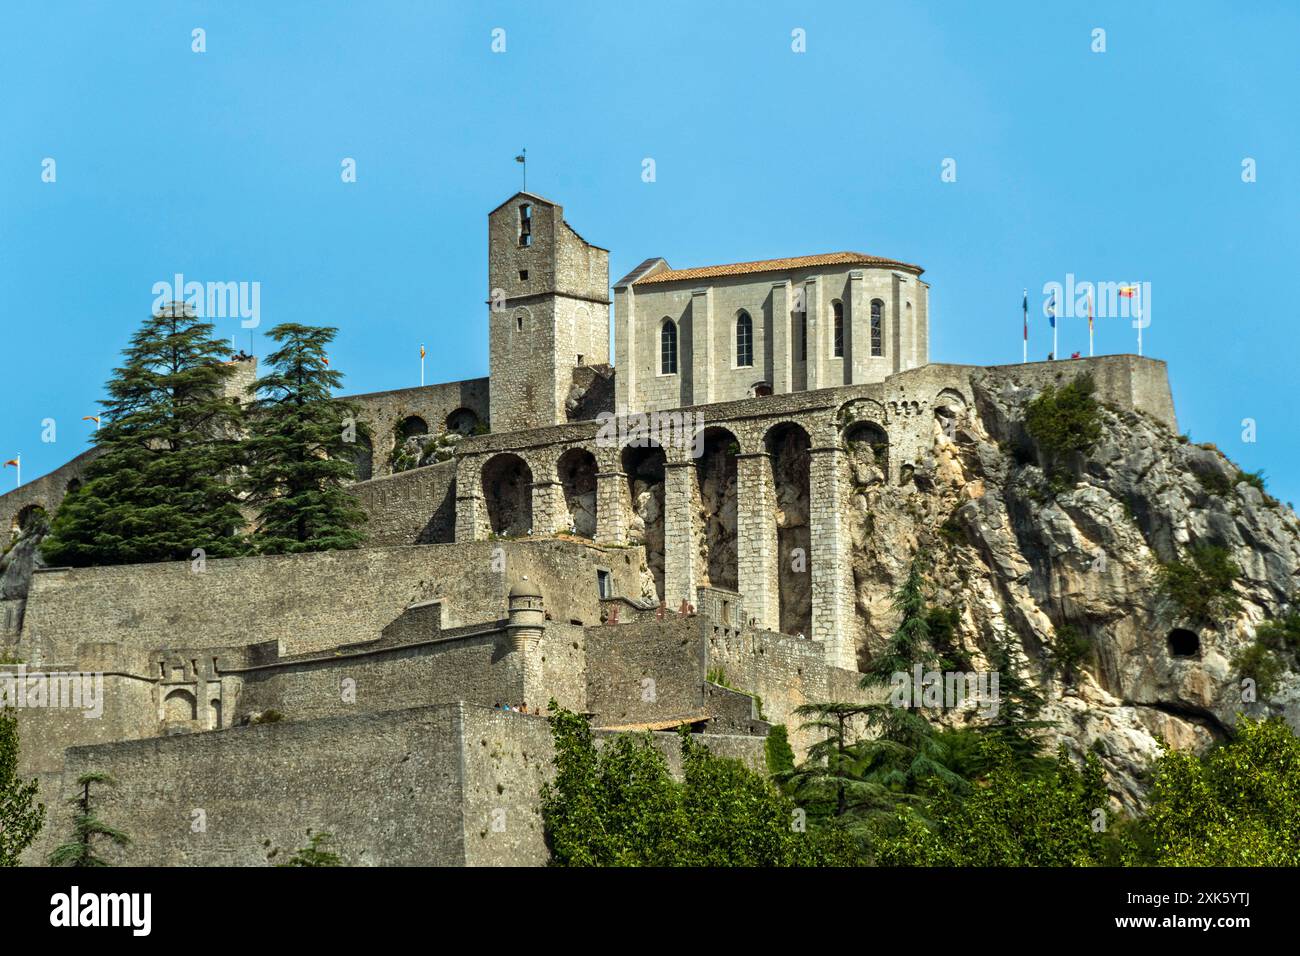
<point x="523" y="275"/>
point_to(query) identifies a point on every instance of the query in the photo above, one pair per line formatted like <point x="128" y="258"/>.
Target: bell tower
<point x="548" y="311"/>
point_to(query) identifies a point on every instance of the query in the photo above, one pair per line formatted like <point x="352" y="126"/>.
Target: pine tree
<point x="86" y="826"/>
<point x="910" y="644"/>
<point x="20" y="817"/>
<point x="164" y="483"/>
<point x="298" y="460"/>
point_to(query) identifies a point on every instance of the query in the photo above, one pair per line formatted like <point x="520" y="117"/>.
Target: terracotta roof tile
<point x="776" y="265"/>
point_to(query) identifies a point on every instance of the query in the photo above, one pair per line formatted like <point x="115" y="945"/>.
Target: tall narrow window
<point x="877" y="327"/>
<point x="668" y="348"/>
<point x="526" y="224"/>
<point x="744" y="340"/>
<point x="802" y="319"/>
<point x="838" y="308"/>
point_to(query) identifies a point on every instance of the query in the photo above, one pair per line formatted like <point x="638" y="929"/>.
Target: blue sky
<point x="225" y="165"/>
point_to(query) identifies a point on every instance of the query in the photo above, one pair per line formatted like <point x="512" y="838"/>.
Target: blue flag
<point x="1051" y="309"/>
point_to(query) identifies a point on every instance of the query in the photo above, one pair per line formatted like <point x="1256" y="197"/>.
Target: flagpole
<point x="1137" y="297"/>
<point x="1024" y="345"/>
<point x="1089" y="323"/>
<point x="422" y="366"/>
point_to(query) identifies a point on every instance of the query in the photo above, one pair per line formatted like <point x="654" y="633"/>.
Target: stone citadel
<point x="664" y="541"/>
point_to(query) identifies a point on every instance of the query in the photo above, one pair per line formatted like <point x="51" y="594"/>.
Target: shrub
<point x="1282" y="633"/>
<point x="1261" y="665"/>
<point x="1202" y="586"/>
<point x="1064" y="421"/>
<point x="780" y="755"/>
<point x="1253" y="478"/>
<point x="1069" y="648"/>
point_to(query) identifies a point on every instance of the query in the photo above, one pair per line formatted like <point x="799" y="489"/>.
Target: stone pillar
<point x="471" y="518"/>
<point x="756" y="540"/>
<point x="832" y="571"/>
<point x="857" y="328"/>
<point x="701" y="347"/>
<point x="550" y="513"/>
<point x="679" y="533"/>
<point x="782" y="344"/>
<point x="611" y="507"/>
<point x="812" y="301"/>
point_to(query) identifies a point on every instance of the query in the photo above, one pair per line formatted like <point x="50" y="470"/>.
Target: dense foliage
<point x="21" y="817"/>
<point x="618" y="805"/>
<point x="1238" y="805"/>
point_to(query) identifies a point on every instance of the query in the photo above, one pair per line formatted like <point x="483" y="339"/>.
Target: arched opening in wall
<point x="214" y="715"/>
<point x="463" y="421"/>
<point x="179" y="707"/>
<point x="1184" y="643"/>
<point x="73" y="485"/>
<point x="577" y="471"/>
<point x="411" y="426"/>
<point x="644" y="467"/>
<point x="508" y="493"/>
<point x="788" y="446"/>
<point x="760" y="389"/>
<point x="866" y="447"/>
<point x="363" y="457"/>
<point x="715" y="491"/>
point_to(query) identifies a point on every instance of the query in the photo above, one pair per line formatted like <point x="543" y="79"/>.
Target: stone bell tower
<point x="548" y="311"/>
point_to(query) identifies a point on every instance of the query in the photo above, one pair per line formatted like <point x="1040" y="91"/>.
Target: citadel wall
<point x="309" y="601"/>
<point x="446" y="785"/>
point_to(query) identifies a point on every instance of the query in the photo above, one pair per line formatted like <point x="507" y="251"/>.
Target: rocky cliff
<point x="1066" y="564"/>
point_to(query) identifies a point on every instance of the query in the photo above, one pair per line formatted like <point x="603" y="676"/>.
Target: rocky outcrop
<point x="1023" y="557"/>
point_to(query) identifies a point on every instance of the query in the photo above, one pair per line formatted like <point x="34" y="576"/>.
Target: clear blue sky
<point x="225" y="165"/>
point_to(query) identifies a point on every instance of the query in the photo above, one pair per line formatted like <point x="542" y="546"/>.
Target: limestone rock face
<point x="1021" y="561"/>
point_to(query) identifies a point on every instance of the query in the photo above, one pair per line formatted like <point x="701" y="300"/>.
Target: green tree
<point x="777" y="750"/>
<point x="619" y="806"/>
<point x="87" y="826"/>
<point x="298" y="460"/>
<point x="1010" y="818"/>
<point x="21" y="817"/>
<point x="1238" y="805"/>
<point x="910" y="643"/>
<point x="164" y="483"/>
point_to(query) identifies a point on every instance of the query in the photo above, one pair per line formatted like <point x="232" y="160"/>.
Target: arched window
<point x="668" y="348"/>
<point x="838" y="308"/>
<point x="744" y="340"/>
<point x="877" y="327"/>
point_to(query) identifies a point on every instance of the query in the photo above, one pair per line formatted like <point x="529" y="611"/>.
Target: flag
<point x="519" y="158"/>
<point x="1050" y="308"/>
<point x="1025" y="305"/>
<point x="90" y="418"/>
<point x="1128" y="291"/>
<point x="12" y="461"/>
<point x="1090" y="312"/>
<point x="421" y="351"/>
<point x="325" y="359"/>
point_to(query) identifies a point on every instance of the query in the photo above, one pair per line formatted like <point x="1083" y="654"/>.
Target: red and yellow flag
<point x="90" y="418"/>
<point x="12" y="461"/>
<point x="1128" y="291"/>
<point x="421" y="351"/>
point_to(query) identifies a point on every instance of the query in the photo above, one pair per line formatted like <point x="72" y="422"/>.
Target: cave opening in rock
<point x="508" y="493"/>
<point x="788" y="446"/>
<point x="577" y="472"/>
<point x="1184" y="643"/>
<point x="715" y="474"/>
<point x="867" y="448"/>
